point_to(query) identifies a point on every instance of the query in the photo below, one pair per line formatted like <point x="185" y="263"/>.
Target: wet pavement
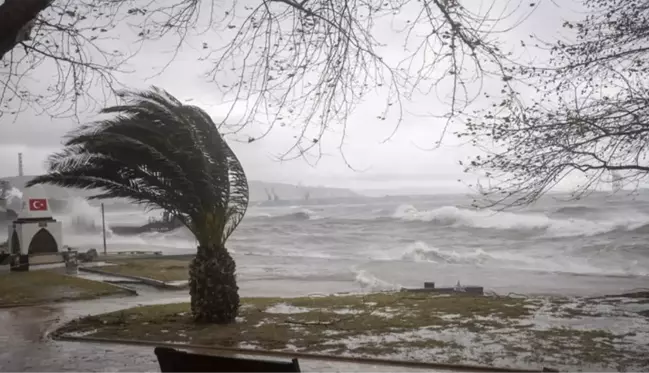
<point x="24" y="345"/>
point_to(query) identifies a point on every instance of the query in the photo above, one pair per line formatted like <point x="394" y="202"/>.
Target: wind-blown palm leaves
<point x="158" y="152"/>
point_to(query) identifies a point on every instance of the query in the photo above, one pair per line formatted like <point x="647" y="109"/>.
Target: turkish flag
<point x="38" y="204"/>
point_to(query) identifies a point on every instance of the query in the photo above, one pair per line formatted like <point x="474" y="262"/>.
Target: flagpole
<point x="103" y="226"/>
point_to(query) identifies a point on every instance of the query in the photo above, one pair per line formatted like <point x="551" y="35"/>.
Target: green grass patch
<point x="43" y="286"/>
<point x="157" y="269"/>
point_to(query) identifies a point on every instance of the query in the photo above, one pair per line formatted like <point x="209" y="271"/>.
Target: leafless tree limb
<point x="310" y="64"/>
<point x="589" y="116"/>
<point x="307" y="64"/>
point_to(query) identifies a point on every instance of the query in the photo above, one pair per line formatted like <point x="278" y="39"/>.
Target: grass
<point x="348" y="316"/>
<point x="157" y="269"/>
<point x="42" y="286"/>
<point x="449" y="329"/>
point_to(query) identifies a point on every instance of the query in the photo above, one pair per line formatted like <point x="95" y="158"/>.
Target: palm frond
<point x="239" y="193"/>
<point x="156" y="151"/>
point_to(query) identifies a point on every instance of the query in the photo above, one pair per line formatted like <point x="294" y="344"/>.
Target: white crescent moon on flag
<point x="37" y="205"/>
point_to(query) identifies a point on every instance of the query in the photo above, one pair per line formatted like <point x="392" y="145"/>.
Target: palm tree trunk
<point x="213" y="286"/>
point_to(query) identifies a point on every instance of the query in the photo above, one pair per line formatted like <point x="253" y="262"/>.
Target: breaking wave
<point x="487" y="219"/>
<point x="559" y="223"/>
<point x="644" y="228"/>
<point x="80" y="217"/>
<point x="420" y="252"/>
<point x="576" y="210"/>
<point x="369" y="282"/>
<point x="556" y="262"/>
<point x="14" y="199"/>
<point x="303" y="214"/>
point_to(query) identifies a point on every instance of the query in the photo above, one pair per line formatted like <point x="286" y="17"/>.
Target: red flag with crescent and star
<point x="37" y="204"/>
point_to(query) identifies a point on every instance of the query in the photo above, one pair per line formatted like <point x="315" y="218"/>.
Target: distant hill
<point x="259" y="190"/>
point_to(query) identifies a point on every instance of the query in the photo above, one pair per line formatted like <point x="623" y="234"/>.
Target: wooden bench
<point x="172" y="360"/>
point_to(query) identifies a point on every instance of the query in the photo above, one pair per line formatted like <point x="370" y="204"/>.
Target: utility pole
<point x="103" y="226"/>
<point x="20" y="164"/>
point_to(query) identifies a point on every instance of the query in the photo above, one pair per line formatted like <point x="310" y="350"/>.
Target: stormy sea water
<point x="597" y="245"/>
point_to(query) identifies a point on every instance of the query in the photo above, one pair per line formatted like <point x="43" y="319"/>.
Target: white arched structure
<point x="35" y="231"/>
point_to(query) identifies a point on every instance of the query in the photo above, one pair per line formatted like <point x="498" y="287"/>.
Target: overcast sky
<point x="399" y="163"/>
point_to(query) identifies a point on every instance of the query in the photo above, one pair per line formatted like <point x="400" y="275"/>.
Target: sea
<point x="592" y="246"/>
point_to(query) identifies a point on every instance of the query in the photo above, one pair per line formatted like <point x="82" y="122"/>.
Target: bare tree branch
<point x="311" y="64"/>
<point x="589" y="119"/>
<point x="307" y="64"/>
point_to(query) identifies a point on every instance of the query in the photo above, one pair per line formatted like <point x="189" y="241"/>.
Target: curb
<point x="300" y="355"/>
<point x="125" y="288"/>
<point x="131" y="291"/>
<point x="123" y="282"/>
<point x="9" y="306"/>
<point x="121" y="256"/>
<point x="147" y="281"/>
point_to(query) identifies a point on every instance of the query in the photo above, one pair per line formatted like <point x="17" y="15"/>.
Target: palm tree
<point x="158" y="152"/>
